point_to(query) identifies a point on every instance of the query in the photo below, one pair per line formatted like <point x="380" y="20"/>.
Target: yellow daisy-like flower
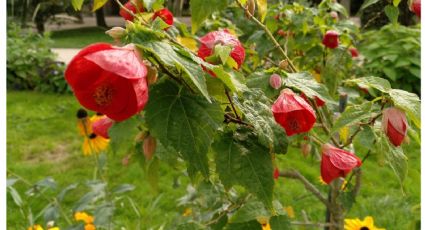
<point x="187" y="212"/>
<point x="266" y="227"/>
<point x="54" y="228"/>
<point x="35" y="227"/>
<point x="357" y="224"/>
<point x="94" y="144"/>
<point x="82" y="216"/>
<point x="290" y="211"/>
<point x="89" y="227"/>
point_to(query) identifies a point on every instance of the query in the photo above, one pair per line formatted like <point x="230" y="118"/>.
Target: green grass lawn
<point x="79" y="38"/>
<point x="42" y="140"/>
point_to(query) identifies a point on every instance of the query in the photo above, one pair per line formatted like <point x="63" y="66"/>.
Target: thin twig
<point x="322" y="120"/>
<point x="312" y="224"/>
<point x="229" y="118"/>
<point x="231" y="104"/>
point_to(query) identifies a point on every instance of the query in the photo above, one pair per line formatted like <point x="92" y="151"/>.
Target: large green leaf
<point x="408" y="102"/>
<point x="394" y="157"/>
<point x="251" y="225"/>
<point x="201" y="10"/>
<point x="305" y="83"/>
<point x="183" y="121"/>
<point x="352" y="115"/>
<point x="246" y="163"/>
<point x="176" y="63"/>
<point x="392" y="13"/>
<point x="256" y="108"/>
<point x="122" y="135"/>
<point x="260" y="80"/>
<point x="262" y="9"/>
<point x="372" y="82"/>
<point x="367" y="3"/>
<point x="97" y="4"/>
<point x="77" y="4"/>
<point x="250" y="211"/>
<point x="280" y="223"/>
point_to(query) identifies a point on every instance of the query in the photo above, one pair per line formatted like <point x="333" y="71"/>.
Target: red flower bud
<point x="101" y="126"/>
<point x="275" y="81"/>
<point x="109" y="80"/>
<point x="222" y="37"/>
<point x="293" y="113"/>
<point x="330" y="39"/>
<point x="354" y="52"/>
<point x="337" y="163"/>
<point x="334" y="15"/>
<point x="165" y="15"/>
<point x="416" y="7"/>
<point x="276" y="173"/>
<point x="395" y="125"/>
<point x="135" y="8"/>
<point x="319" y="102"/>
<point x="281" y="33"/>
<point x="305" y="149"/>
<point x="149" y="147"/>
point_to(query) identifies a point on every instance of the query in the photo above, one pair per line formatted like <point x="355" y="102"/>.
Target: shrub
<point x="31" y="64"/>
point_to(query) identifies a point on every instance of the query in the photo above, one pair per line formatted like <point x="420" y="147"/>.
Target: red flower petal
<point x="130" y="6"/>
<point x="394" y="124"/>
<point x="330" y="39"/>
<point x="101" y="127"/>
<point x="165" y="15"/>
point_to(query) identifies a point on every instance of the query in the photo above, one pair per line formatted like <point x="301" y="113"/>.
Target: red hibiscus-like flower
<point x="165" y="15"/>
<point x="135" y="8"/>
<point x="319" y="102"/>
<point x="337" y="163"/>
<point x="416" y="7"/>
<point x="394" y="124"/>
<point x="101" y="126"/>
<point x="109" y="80"/>
<point x="330" y="39"/>
<point x="293" y="113"/>
<point x="222" y="37"/>
<point x="354" y="52"/>
<point x="276" y="173"/>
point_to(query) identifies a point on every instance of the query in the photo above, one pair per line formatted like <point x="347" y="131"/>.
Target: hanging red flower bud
<point x="319" y="102"/>
<point x="109" y="80"/>
<point x="330" y="39"/>
<point x="337" y="163"/>
<point x="416" y="7"/>
<point x="334" y="15"/>
<point x="276" y="173"/>
<point x="222" y="37"/>
<point x="165" y="15"/>
<point x="394" y="124"/>
<point x="149" y="147"/>
<point x="354" y="52"/>
<point x="275" y="81"/>
<point x="101" y="126"/>
<point x="135" y="8"/>
<point x="293" y="113"/>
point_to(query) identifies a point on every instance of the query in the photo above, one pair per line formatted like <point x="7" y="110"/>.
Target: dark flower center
<point x="103" y="95"/>
<point x="364" y="228"/>
<point x="81" y="113"/>
<point x="92" y="136"/>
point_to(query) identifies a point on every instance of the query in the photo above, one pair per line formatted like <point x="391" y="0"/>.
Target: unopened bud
<point x="125" y="160"/>
<point x="152" y="74"/>
<point x="116" y="33"/>
<point x="275" y="81"/>
<point x="283" y="64"/>
<point x="140" y="137"/>
<point x="250" y="7"/>
<point x="305" y="149"/>
<point x="149" y="147"/>
<point x="334" y="15"/>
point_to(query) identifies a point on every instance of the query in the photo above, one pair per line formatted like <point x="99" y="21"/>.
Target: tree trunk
<point x="100" y="18"/>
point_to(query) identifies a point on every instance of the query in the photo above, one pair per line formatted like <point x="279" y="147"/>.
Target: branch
<point x="309" y="186"/>
<point x="312" y="224"/>
<point x="229" y="119"/>
<point x="322" y="120"/>
<point x="270" y="35"/>
<point x="231" y="103"/>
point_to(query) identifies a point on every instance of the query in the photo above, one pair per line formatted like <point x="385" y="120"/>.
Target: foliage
<point x="31" y="64"/>
<point x="393" y="52"/>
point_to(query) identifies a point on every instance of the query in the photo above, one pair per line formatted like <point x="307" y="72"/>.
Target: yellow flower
<point x="357" y="224"/>
<point x="82" y="216"/>
<point x="187" y="212"/>
<point x="290" y="211"/>
<point x="265" y="226"/>
<point x="54" y="228"/>
<point x="94" y="144"/>
<point x="89" y="227"/>
<point x="35" y="227"/>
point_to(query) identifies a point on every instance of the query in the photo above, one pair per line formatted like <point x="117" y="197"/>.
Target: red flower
<point x="165" y="15"/>
<point x="276" y="173"/>
<point x="330" y="39"/>
<point x="395" y="125"/>
<point x="293" y="113"/>
<point x="109" y="80"/>
<point x="101" y="126"/>
<point x="416" y="7"/>
<point x="354" y="52"/>
<point x="222" y="37"/>
<point x="133" y="8"/>
<point x="275" y="81"/>
<point x="319" y="102"/>
<point x="337" y="163"/>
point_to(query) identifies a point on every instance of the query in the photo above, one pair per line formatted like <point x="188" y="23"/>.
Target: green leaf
<point x="15" y="196"/>
<point x="153" y="174"/>
<point x="77" y="4"/>
<point x="123" y="188"/>
<point x="409" y="102"/>
<point x="392" y="13"/>
<point x="260" y="80"/>
<point x="367" y="3"/>
<point x="338" y="8"/>
<point x="305" y="83"/>
<point x="394" y="157"/>
<point x="97" y="4"/>
<point x="249" y="211"/>
<point x="396" y="2"/>
<point x="262" y="9"/>
<point x="372" y="82"/>
<point x="223" y="52"/>
<point x="352" y="115"/>
<point x="190" y="70"/>
<point x="245" y="163"/>
<point x="122" y="135"/>
<point x="201" y="10"/>
<point x="280" y="223"/>
<point x="153" y="4"/>
<point x="232" y="79"/>
<point x="183" y="121"/>
<point x="256" y="109"/>
<point x="68" y="188"/>
<point x="251" y="225"/>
